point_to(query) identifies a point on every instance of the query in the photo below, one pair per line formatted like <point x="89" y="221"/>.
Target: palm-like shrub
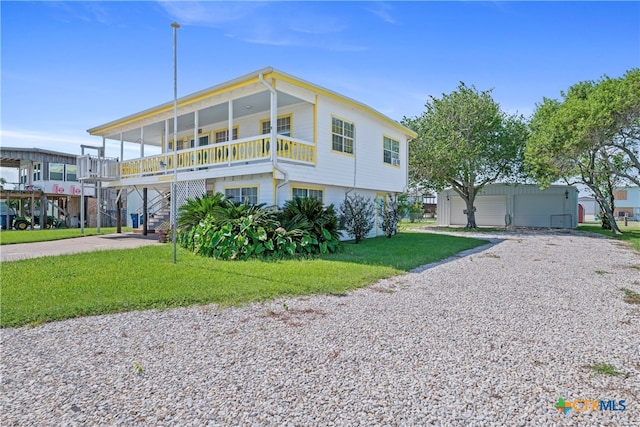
<point x="195" y="210"/>
<point x="320" y="222"/>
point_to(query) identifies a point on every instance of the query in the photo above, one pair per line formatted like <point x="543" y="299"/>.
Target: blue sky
<point x="70" y="66"/>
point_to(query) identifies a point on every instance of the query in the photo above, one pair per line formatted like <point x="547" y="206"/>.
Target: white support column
<point x="121" y="146"/>
<point x="230" y="120"/>
<point x="166" y="136"/>
<point x="196" y="137"/>
<point x="274" y="126"/>
<point x="142" y="142"/>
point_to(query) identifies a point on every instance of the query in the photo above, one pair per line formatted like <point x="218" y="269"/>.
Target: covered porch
<point x="250" y="106"/>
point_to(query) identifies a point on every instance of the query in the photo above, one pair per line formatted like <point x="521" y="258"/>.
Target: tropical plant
<point x="320" y="222"/>
<point x="357" y="215"/>
<point x="195" y="210"/>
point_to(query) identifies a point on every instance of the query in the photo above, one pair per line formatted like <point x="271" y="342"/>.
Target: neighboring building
<point x="588" y="209"/>
<point x="288" y="138"/>
<point x="627" y="203"/>
<point x="46" y="178"/>
<point x="517" y="205"/>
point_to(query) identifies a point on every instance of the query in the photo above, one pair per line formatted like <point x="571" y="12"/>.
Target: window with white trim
<point x="37" y="172"/>
<point x="342" y="135"/>
<point x="71" y="173"/>
<point x="297" y="192"/>
<point x="56" y="172"/>
<point x="203" y="140"/>
<point x="284" y="126"/>
<point x="243" y="194"/>
<point x="222" y="135"/>
<point x="391" y="151"/>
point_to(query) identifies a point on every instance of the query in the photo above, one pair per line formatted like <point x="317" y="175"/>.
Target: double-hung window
<point x="243" y="194"/>
<point x="283" y="126"/>
<point x="342" y="135"/>
<point x="391" y="151"/>
<point x="222" y="135"/>
<point x="302" y="193"/>
<point x="56" y="172"/>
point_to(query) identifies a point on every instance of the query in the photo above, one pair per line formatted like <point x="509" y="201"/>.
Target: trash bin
<point x="134" y="220"/>
<point x="3" y="221"/>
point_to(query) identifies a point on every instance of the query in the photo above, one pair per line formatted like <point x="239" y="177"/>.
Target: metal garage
<point x="490" y="211"/>
<point x="518" y="205"/>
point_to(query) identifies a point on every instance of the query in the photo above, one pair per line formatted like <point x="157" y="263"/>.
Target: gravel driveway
<point x="491" y="338"/>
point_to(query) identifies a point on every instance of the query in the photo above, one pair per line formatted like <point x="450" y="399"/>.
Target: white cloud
<point x="268" y="23"/>
<point x="383" y="11"/>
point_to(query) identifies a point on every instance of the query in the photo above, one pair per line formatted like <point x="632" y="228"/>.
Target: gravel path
<point x="490" y="338"/>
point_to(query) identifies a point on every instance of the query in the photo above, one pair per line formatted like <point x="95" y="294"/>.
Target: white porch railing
<point x="225" y="154"/>
<point x="93" y="168"/>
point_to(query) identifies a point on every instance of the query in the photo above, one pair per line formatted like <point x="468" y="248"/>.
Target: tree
<point x="591" y="136"/>
<point x="465" y="141"/>
<point x="390" y="216"/>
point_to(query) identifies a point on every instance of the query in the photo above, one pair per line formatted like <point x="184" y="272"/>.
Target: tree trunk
<point x="605" y="209"/>
<point x="471" y="210"/>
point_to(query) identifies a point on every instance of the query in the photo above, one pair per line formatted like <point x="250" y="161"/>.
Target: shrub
<point x="240" y="231"/>
<point x="310" y="216"/>
<point x="390" y="217"/>
<point x="357" y="215"/>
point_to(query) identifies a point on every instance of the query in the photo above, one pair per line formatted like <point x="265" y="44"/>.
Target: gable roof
<point x="250" y="78"/>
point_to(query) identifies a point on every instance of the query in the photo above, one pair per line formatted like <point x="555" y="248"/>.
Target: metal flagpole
<point x="174" y="190"/>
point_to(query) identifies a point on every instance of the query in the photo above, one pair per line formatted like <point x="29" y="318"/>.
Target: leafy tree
<point x="465" y="141"/>
<point x="591" y="136"/>
<point x="357" y="216"/>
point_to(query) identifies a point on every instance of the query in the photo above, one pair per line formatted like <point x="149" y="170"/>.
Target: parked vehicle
<point x="22" y="223"/>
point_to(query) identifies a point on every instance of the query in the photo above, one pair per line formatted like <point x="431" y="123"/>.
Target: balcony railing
<point x="93" y="168"/>
<point x="220" y="155"/>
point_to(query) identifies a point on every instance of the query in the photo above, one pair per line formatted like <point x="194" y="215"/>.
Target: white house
<point x="288" y="138"/>
<point x="627" y="203"/>
<point x="517" y="205"/>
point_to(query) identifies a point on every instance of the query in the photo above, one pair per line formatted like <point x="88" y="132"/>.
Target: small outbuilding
<point x="516" y="205"/>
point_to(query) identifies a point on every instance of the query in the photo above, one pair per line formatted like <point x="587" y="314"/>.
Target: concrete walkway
<point x="75" y="245"/>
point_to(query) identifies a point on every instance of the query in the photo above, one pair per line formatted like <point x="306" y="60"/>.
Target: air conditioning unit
<point x="395" y="162"/>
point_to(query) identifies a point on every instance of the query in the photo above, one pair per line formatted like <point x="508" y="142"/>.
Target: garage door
<point x="533" y="210"/>
<point x="490" y="211"/>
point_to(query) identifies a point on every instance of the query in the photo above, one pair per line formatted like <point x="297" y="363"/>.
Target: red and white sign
<point x="66" y="188"/>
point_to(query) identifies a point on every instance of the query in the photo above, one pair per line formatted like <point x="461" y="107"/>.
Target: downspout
<point x="349" y="190"/>
<point x="274" y="135"/>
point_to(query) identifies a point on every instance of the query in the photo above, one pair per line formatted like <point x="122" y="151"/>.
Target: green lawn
<point x="631" y="232"/>
<point x="8" y="237"/>
<point x="66" y="286"/>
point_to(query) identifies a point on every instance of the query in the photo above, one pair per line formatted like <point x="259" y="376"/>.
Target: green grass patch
<point x="630" y="296"/>
<point x="604" y="369"/>
<point x="631" y="233"/>
<point x="9" y="237"/>
<point x="52" y="288"/>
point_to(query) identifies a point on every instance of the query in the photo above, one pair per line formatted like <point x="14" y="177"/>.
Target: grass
<point x="53" y="288"/>
<point x="604" y="369"/>
<point x="9" y="237"/>
<point x="630" y="296"/>
<point x="631" y="233"/>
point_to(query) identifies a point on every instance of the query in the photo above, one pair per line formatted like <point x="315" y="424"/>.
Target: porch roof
<point x="153" y="118"/>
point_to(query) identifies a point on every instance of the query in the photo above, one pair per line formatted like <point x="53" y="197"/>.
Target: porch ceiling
<point x="244" y="106"/>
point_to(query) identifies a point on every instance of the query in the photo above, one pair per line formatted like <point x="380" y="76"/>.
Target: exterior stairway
<point x="159" y="212"/>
